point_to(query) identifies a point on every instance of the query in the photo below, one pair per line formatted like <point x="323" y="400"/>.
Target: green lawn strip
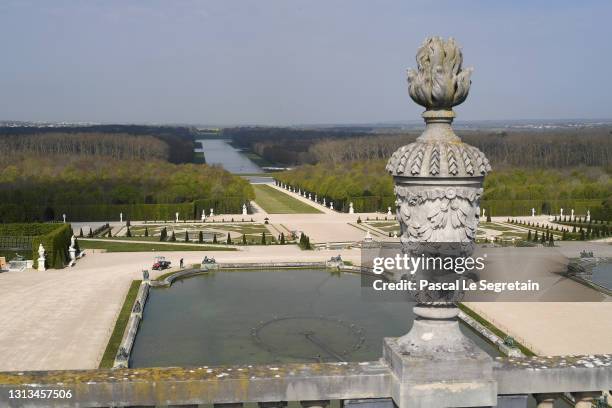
<point x="274" y="201"/>
<point x="132" y="238"/>
<point x="383" y="223"/>
<point x="493" y="329"/>
<point x="138" y="232"/>
<point x="495" y="226"/>
<point x="558" y="234"/>
<point x="146" y="247"/>
<point x="115" y="339"/>
<point x="386" y="226"/>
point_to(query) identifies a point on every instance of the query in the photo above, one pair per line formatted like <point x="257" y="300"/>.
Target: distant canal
<point x="218" y="151"/>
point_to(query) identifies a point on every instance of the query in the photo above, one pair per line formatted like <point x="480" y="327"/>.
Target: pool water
<point x="265" y="316"/>
<point x="602" y="275"/>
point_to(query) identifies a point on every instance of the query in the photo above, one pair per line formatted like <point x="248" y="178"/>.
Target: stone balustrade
<point x="314" y="385"/>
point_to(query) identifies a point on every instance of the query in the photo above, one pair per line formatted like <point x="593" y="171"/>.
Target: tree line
<point x="119" y="146"/>
<point x="179" y="139"/>
<point x="286" y="146"/>
<point x="513" y="148"/>
<point x="588" y="146"/>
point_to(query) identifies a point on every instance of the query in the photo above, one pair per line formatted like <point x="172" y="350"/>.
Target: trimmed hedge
<point x="55" y="238"/>
<point x="601" y="213"/>
<point x="517" y="208"/>
<point x="109" y="212"/>
<point x="56" y="244"/>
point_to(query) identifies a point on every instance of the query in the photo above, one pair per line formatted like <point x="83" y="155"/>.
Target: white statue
<point x="176" y="215"/>
<point x="64" y="217"/>
<point x="588" y="216"/>
<point x="212" y="213"/>
<point x="483" y="212"/>
<point x="299" y="191"/>
<point x="244" y="209"/>
<point x="331" y="205"/>
<point x="72" y="249"/>
<point x="368" y="237"/>
<point x="41" y="258"/>
<point x="203" y="217"/>
<point x="324" y="205"/>
<point x="572" y="216"/>
<point x="562" y="213"/>
<point x="389" y="214"/>
<point x="351" y="209"/>
<point x="310" y="196"/>
<point x="533" y="212"/>
<point x="316" y="199"/>
<point x="121" y="217"/>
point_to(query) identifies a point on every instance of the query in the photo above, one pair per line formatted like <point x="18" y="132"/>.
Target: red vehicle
<point x="160" y="263"/>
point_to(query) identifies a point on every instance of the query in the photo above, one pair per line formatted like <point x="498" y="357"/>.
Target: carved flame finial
<point x="439" y="83"/>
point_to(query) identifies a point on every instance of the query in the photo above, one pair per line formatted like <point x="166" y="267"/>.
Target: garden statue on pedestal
<point x="72" y="249"/>
<point x="351" y="209"/>
<point x="41" y="258"/>
<point x="244" y="209"/>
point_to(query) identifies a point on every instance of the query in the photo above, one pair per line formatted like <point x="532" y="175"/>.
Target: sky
<point x="282" y="62"/>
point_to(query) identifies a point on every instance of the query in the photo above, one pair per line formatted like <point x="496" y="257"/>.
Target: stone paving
<point x="62" y="319"/>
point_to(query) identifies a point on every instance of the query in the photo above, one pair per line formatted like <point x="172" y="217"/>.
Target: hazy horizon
<point x="295" y="63"/>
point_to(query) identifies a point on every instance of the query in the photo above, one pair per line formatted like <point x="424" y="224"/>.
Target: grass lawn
<point x="115" y="340"/>
<point x="111" y="246"/>
<point x="277" y="202"/>
<point x="387" y="226"/>
<point x="495" y="226"/>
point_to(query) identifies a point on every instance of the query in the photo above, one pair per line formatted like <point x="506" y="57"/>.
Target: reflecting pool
<point x="264" y="316"/>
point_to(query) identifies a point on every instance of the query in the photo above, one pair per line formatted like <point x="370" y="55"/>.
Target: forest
<point x="286" y="146"/>
<point x="590" y="146"/>
<point x="547" y="149"/>
<point x="178" y="139"/>
<point x="93" y="176"/>
<point x="120" y="146"/>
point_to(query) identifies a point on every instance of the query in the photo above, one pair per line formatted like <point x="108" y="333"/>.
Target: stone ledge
<point x="288" y="382"/>
<point x="198" y="385"/>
